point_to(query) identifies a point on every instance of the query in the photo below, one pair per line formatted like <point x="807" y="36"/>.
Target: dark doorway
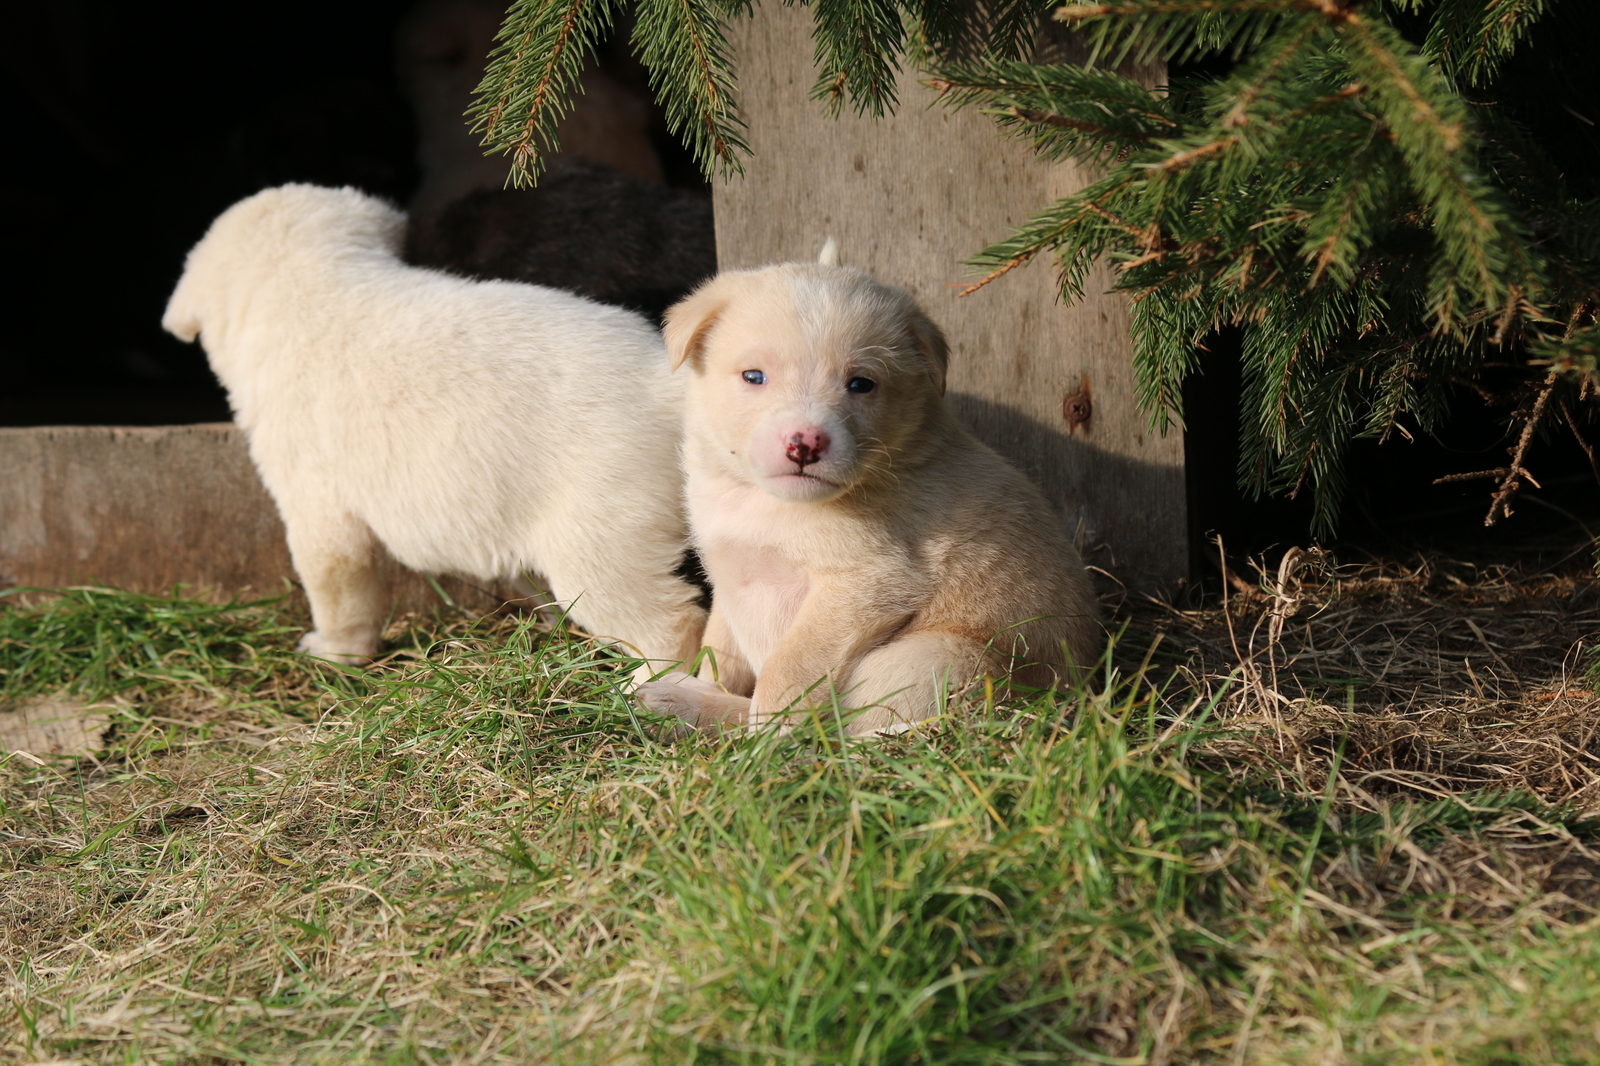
<point x="131" y="127"/>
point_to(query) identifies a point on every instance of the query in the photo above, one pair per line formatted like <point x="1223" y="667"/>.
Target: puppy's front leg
<point x="696" y="703"/>
<point x="725" y="665"/>
<point x="719" y="697"/>
<point x="833" y="630"/>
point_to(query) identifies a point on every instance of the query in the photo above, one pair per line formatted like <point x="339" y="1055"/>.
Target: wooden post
<point x="907" y="198"/>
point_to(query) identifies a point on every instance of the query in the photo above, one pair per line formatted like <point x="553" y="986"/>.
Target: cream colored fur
<point x="858" y="542"/>
<point x="485" y="429"/>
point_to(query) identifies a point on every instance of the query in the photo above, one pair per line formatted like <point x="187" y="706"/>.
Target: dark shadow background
<point x="130" y="128"/>
<point x="1391" y="505"/>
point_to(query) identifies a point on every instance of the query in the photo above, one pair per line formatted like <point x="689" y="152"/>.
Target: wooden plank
<point x="149" y="508"/>
<point x="909" y="197"/>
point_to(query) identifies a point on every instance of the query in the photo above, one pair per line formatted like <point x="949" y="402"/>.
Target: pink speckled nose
<point x="806" y="447"/>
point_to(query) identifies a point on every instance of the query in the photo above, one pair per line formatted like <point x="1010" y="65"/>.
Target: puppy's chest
<point x="759" y="574"/>
<point x="765" y="558"/>
<point x="759" y="593"/>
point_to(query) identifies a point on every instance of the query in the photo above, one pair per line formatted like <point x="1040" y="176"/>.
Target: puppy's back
<point x="262" y="239"/>
<point x="301" y="297"/>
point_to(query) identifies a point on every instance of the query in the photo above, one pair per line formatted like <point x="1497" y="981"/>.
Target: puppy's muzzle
<point x="806" y="447"/>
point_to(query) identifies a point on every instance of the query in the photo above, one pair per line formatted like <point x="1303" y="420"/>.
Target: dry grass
<point x="1433" y="678"/>
<point x="1356" y="850"/>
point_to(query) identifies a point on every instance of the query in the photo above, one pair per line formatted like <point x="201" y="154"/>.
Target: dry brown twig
<point x="1588" y="449"/>
<point x="1511" y="484"/>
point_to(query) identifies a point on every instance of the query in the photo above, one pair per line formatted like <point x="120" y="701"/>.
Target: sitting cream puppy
<point x="475" y="428"/>
<point x="857" y="538"/>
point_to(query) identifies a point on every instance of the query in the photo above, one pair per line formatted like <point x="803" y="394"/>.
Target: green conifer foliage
<point x="536" y="67"/>
<point x="1349" y="190"/>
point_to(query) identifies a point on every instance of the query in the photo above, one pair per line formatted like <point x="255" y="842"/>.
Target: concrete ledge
<point x="150" y="508"/>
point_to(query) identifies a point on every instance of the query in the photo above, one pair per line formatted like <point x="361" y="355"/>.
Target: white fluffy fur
<point x="475" y="428"/>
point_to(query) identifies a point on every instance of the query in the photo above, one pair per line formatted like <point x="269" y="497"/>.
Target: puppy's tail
<point x="829" y="256"/>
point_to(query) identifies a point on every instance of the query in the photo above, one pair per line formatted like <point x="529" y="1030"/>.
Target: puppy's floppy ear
<point x="929" y="340"/>
<point x="689" y="320"/>
<point x="182" y="317"/>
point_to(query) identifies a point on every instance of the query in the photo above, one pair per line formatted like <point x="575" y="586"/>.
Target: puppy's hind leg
<point x="908" y="679"/>
<point x="651" y="612"/>
<point x="336" y="556"/>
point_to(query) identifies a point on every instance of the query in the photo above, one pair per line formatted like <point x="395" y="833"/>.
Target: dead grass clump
<point x="1431" y="679"/>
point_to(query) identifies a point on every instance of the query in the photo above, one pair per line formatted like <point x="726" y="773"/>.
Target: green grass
<point x="101" y="641"/>
<point x="479" y="852"/>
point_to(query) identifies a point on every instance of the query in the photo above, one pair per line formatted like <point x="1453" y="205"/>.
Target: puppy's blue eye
<point x="860" y="385"/>
<point x="755" y="377"/>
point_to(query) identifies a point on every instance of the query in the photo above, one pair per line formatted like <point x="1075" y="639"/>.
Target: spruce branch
<point x="1318" y="441"/>
<point x="1475" y="475"/>
<point x="937" y="28"/>
<point x="1020" y="259"/>
<point x="1471" y="39"/>
<point x="1511" y="483"/>
<point x="1190" y="156"/>
<point x="1576" y="354"/>
<point x="1483" y="254"/>
<point x="1577" y="435"/>
<point x="1146" y="8"/>
<point x="1181" y="30"/>
<point x="858" y="45"/>
<point x="1357" y="202"/>
<point x="1014" y="27"/>
<point x="1284" y="47"/>
<point x="1076" y="229"/>
<point x="1393" y="392"/>
<point x="1168" y="338"/>
<point x="684" y="46"/>
<point x="1065" y="122"/>
<point x="1066" y="111"/>
<point x="533" y="71"/>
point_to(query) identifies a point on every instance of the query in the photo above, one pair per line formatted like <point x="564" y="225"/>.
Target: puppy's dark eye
<point x="755" y="377"/>
<point x="860" y="385"/>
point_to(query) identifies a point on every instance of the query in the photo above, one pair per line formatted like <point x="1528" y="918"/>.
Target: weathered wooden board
<point x="153" y="507"/>
<point x="909" y="197"/>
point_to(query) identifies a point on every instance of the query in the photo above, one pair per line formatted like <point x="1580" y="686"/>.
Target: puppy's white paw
<point x="695" y="703"/>
<point x="684" y="697"/>
<point x="675" y="694"/>
<point x="317" y="646"/>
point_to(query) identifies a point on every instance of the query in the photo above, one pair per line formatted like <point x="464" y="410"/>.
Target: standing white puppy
<point x="475" y="428"/>
<point x="858" y="539"/>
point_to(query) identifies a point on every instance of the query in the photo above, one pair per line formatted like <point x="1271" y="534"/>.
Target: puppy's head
<point x="808" y="379"/>
<point x="257" y="237"/>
